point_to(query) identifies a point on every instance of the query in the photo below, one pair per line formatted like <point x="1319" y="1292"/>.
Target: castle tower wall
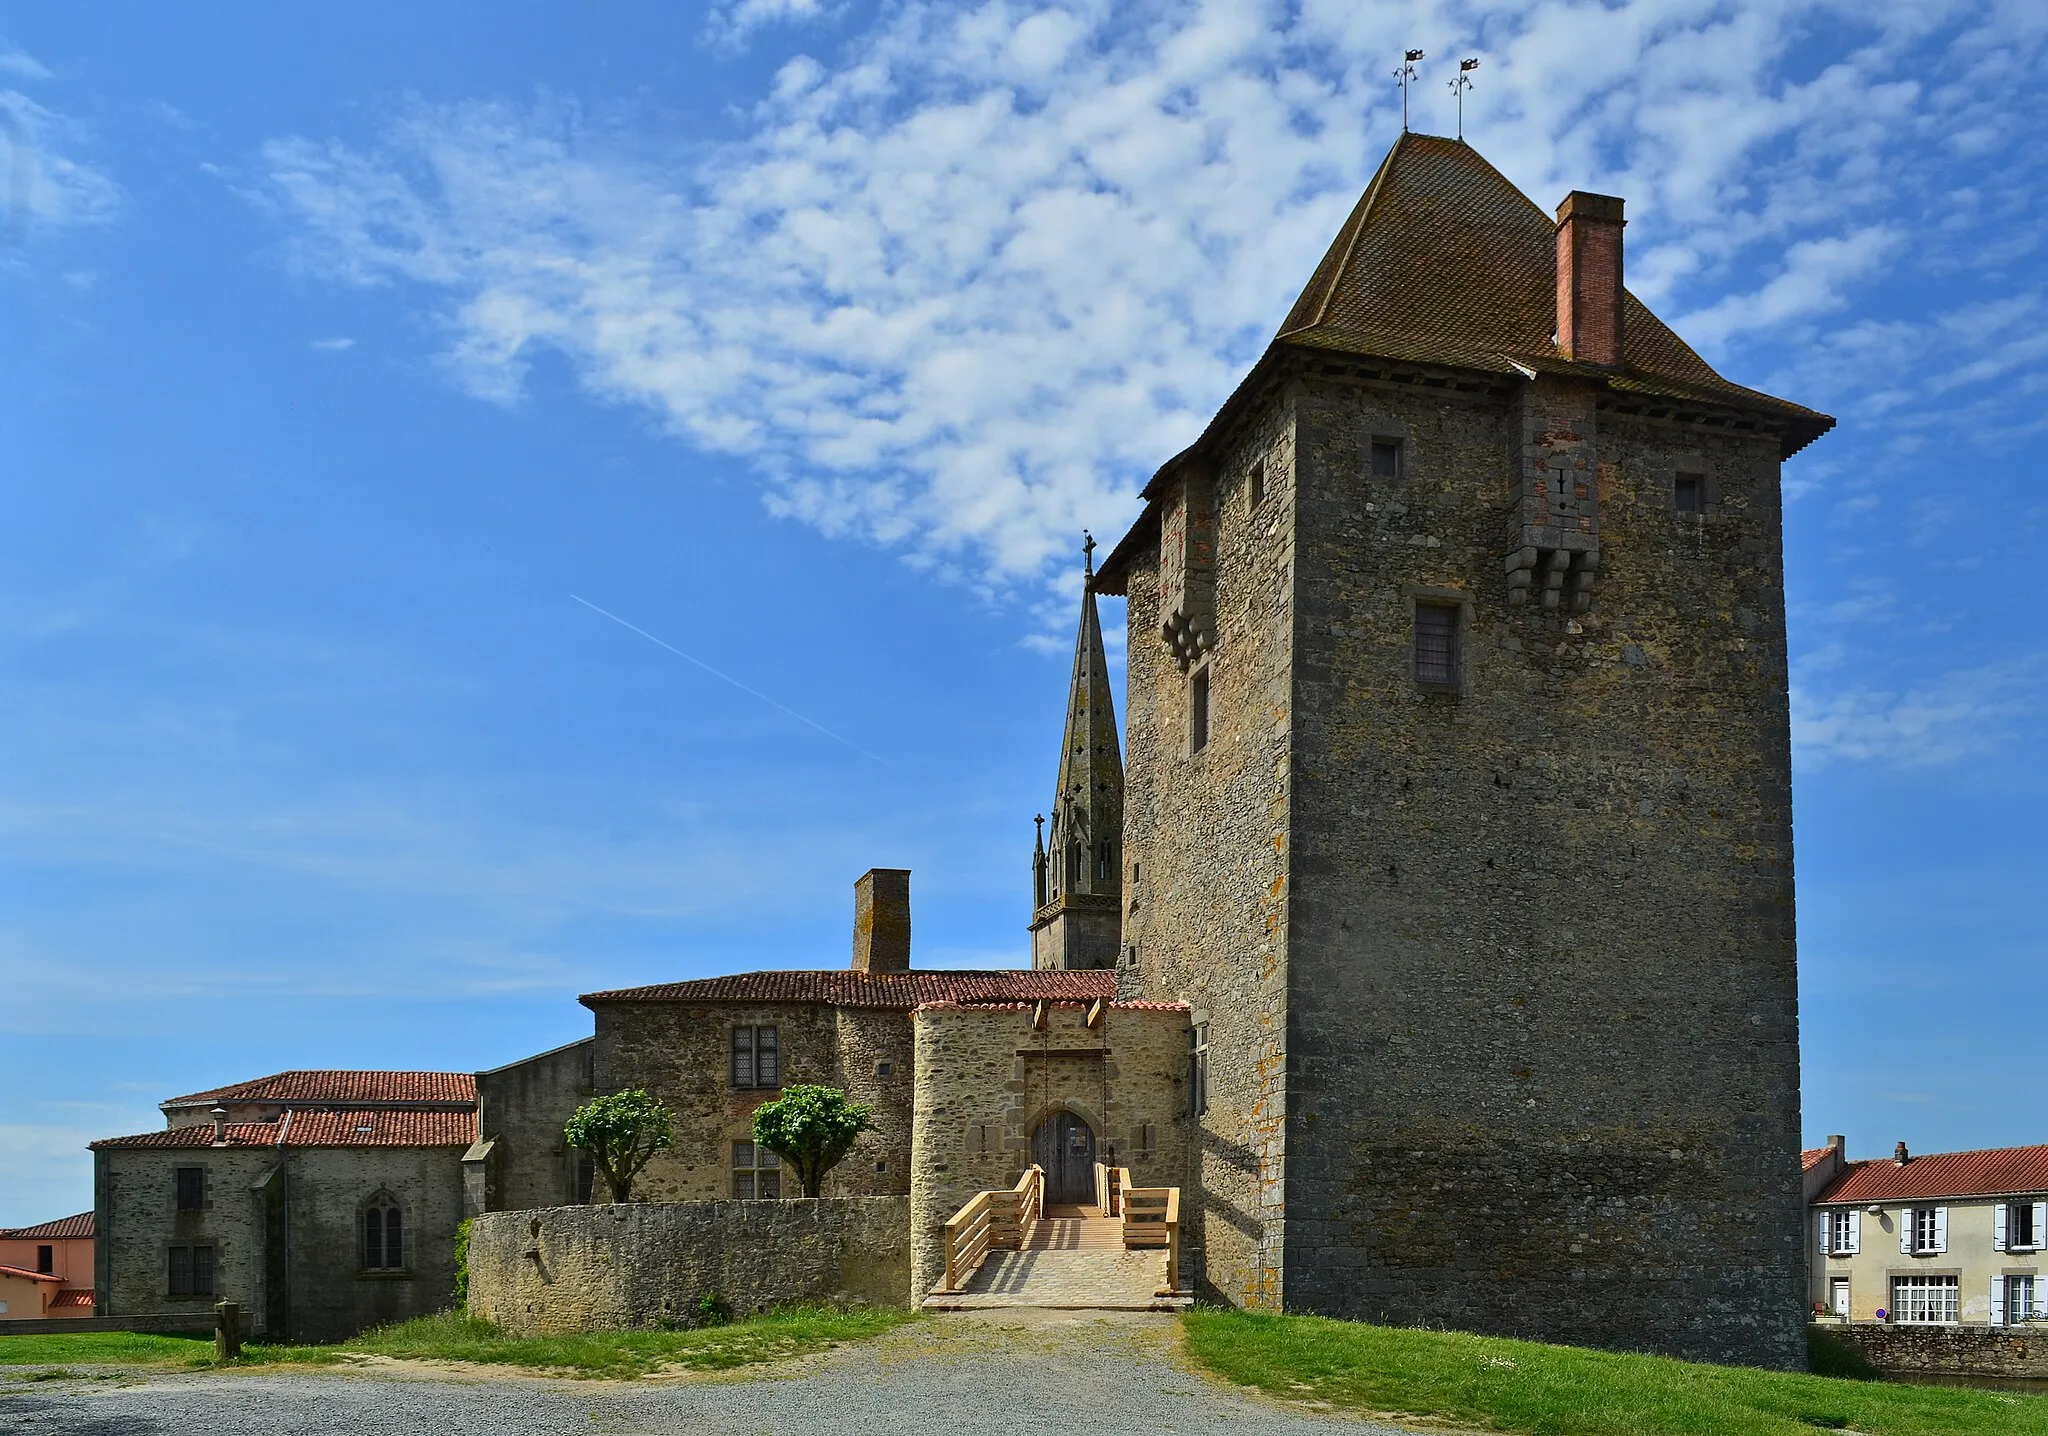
<point x="1542" y="1013"/>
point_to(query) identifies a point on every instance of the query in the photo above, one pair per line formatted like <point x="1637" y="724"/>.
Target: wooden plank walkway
<point x="1070" y="1260"/>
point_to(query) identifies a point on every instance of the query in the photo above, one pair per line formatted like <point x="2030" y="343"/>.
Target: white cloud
<point x="41" y="186"/>
<point x="1959" y="715"/>
<point x="20" y="64"/>
<point x="959" y="291"/>
<point x="729" y="27"/>
<point x="335" y="345"/>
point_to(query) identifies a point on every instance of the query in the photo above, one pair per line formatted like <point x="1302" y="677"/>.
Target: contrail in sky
<point x="728" y="678"/>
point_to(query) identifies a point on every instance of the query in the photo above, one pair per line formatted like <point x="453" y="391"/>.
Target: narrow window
<point x="584" y="1179"/>
<point x="46" y="1260"/>
<point x="1436" y="645"/>
<point x="1105" y="862"/>
<point x="1073" y="865"/>
<point x="756" y="1173"/>
<point x="2023" y="1234"/>
<point x="1198" y="711"/>
<point x="1689" y="493"/>
<point x="1146" y="1140"/>
<point x="202" y="1271"/>
<point x="743" y="1057"/>
<point x="1198" y="1069"/>
<point x="756" y="1057"/>
<point x="1925" y="1231"/>
<point x="885" y="1069"/>
<point x="181" y="1271"/>
<point x="191" y="1189"/>
<point x="383" y="1237"/>
<point x="1386" y="458"/>
<point x="1255" y="486"/>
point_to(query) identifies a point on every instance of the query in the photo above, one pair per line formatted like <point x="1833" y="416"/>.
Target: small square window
<point x="1198" y="710"/>
<point x="1386" y="458"/>
<point x="1255" y="486"/>
<point x="1689" y="493"/>
<point x="1436" y="645"/>
<point x="885" y="1069"/>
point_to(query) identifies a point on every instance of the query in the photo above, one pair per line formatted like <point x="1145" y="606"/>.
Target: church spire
<point x="1078" y="880"/>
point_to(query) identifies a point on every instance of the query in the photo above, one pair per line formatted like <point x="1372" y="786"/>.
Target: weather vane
<point x="1460" y="85"/>
<point x="1404" y="77"/>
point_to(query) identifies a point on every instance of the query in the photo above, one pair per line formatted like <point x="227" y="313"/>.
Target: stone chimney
<point x="1838" y="1144"/>
<point x="881" y="921"/>
<point x="220" y="1126"/>
<point x="1589" y="278"/>
<point x="1900" y="1155"/>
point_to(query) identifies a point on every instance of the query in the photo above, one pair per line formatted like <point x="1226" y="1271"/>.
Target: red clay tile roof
<point x="1812" y="1157"/>
<point x="342" y="1088"/>
<point x="2001" y="1171"/>
<point x="22" y="1271"/>
<point x="73" y="1297"/>
<point x="62" y="1228"/>
<point x="843" y="987"/>
<point x="385" y="1128"/>
<point x="1139" y="1004"/>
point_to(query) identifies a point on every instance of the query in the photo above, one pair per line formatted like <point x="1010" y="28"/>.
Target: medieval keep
<point x="1424" y="953"/>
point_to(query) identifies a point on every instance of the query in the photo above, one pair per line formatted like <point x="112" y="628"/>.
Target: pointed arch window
<point x="1074" y="867"/>
<point x="383" y="1234"/>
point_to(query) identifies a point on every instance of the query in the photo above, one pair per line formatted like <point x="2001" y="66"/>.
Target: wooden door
<point x="1065" y="1147"/>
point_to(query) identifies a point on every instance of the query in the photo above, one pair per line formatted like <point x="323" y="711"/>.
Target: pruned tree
<point x="622" y="1133"/>
<point x="812" y="1129"/>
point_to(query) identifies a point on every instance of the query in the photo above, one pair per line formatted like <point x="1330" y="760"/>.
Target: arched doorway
<point x="1064" y="1146"/>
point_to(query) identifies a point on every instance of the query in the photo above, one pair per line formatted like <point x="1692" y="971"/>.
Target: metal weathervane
<point x="1460" y="85"/>
<point x="1404" y="77"/>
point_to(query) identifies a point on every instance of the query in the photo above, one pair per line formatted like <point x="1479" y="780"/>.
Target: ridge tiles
<point x="1998" y="1171"/>
<point x="342" y="1087"/>
<point x="842" y="987"/>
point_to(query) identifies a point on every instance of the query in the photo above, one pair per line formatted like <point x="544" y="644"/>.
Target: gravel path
<point x="970" y="1374"/>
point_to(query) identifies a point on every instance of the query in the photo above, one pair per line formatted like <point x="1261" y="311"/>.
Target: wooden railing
<point x="1110" y="1185"/>
<point x="1152" y="1220"/>
<point x="991" y="1221"/>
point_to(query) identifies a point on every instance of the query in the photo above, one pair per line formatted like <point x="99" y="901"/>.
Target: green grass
<point x="1522" y="1386"/>
<point x="449" y="1336"/>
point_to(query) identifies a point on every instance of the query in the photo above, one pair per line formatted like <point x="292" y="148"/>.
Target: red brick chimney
<point x="1589" y="277"/>
<point x="881" y="921"/>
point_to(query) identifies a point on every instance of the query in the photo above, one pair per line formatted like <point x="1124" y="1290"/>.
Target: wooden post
<point x="227" y="1330"/>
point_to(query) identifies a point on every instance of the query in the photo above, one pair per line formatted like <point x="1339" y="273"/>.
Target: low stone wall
<point x="195" y="1324"/>
<point x="1949" y="1350"/>
<point x="602" y="1268"/>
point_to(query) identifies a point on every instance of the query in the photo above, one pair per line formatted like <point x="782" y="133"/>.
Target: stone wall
<point x="987" y="1078"/>
<point x="1206" y="838"/>
<point x="329" y="1297"/>
<point x="137" y="1222"/>
<point x="679" y="1052"/>
<point x="521" y="1110"/>
<point x="1543" y="1024"/>
<point x="609" y="1267"/>
<point x="1948" y="1350"/>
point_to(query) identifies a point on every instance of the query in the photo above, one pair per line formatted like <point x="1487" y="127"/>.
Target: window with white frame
<point x="756" y="1173"/>
<point x="1924" y="1300"/>
<point x="2019" y="1226"/>
<point x="1924" y="1232"/>
<point x="2015" y="1299"/>
<point x="1844" y="1237"/>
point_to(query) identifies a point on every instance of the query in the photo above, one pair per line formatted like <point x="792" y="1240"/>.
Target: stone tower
<point x="1077" y="868"/>
<point x="1460" y="791"/>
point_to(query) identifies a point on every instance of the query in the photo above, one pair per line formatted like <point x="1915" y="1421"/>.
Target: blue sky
<point x="347" y="351"/>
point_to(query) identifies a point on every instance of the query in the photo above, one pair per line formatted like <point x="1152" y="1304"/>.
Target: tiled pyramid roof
<point x="843" y="987"/>
<point x="2000" y="1171"/>
<point x="343" y="1089"/>
<point x="59" y="1230"/>
<point x="1444" y="260"/>
<point x="364" y="1128"/>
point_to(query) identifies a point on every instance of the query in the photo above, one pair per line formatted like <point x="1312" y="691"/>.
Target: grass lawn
<point x="451" y="1337"/>
<point x="1522" y="1386"/>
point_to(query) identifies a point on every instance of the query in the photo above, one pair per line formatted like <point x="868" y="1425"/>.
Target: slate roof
<point x="363" y="1128"/>
<point x="843" y="987"/>
<point x="59" y="1230"/>
<point x="2000" y="1171"/>
<point x="342" y="1089"/>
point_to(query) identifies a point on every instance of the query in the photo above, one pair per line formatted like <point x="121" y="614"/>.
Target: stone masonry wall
<point x="986" y="1079"/>
<point x="137" y="1221"/>
<point x="608" y="1267"/>
<point x="522" y="1108"/>
<point x="1542" y="1014"/>
<point x="331" y="1297"/>
<point x="679" y="1052"/>
<point x="1206" y="839"/>
<point x="1949" y="1350"/>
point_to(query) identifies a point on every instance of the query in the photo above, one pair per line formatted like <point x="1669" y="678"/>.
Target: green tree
<point x="812" y="1129"/>
<point x="621" y="1132"/>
